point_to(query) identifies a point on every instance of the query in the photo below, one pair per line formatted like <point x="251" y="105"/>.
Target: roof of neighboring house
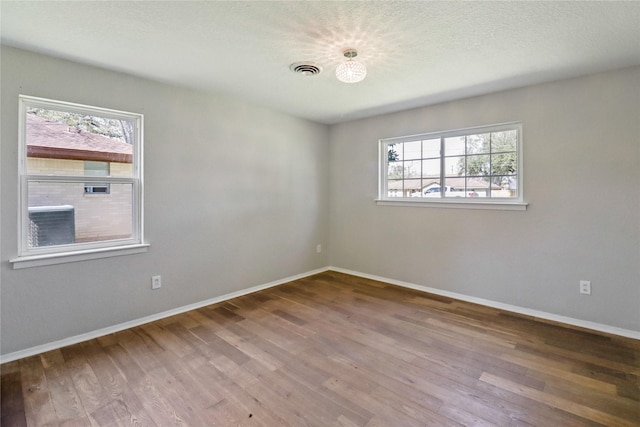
<point x="471" y="184"/>
<point x="457" y="183"/>
<point x="53" y="140"/>
<point x="408" y="184"/>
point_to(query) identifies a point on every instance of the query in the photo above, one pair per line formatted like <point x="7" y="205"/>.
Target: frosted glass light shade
<point x="351" y="71"/>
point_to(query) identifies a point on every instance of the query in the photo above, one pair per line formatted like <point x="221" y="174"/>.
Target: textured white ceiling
<point x="416" y="53"/>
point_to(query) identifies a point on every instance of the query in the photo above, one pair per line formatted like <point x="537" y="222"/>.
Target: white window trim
<point x="516" y="203"/>
<point x="78" y="251"/>
<point x="74" y="256"/>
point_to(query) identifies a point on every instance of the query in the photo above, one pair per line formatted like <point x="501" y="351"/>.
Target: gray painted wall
<point x="238" y="195"/>
<point x="235" y="196"/>
<point x="581" y="178"/>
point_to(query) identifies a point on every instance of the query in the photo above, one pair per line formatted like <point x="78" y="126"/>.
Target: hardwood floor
<point x="332" y="350"/>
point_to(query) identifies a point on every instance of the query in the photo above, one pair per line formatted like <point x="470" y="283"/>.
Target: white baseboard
<point x="507" y="307"/>
<point x="141" y="321"/>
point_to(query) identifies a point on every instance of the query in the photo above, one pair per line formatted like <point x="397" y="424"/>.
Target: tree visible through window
<point x="80" y="181"/>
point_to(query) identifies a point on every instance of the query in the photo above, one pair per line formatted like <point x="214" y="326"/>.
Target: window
<point x="92" y="168"/>
<point x="80" y="180"/>
<point x="475" y="166"/>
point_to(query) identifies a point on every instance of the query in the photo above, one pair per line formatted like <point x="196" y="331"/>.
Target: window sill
<point x="65" y="257"/>
<point x="456" y="204"/>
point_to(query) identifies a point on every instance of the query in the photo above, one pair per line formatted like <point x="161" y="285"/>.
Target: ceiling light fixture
<point x="351" y="71"/>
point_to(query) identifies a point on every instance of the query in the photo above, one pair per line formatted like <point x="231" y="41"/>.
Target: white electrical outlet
<point x="585" y="287"/>
<point x="319" y="248"/>
<point x="156" y="282"/>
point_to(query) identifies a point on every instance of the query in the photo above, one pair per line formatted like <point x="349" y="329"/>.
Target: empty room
<point x="301" y="213"/>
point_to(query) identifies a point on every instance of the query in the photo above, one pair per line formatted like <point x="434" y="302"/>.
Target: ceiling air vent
<point x="305" y="68"/>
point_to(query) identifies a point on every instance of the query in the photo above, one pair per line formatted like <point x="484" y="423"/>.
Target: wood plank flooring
<point x="332" y="350"/>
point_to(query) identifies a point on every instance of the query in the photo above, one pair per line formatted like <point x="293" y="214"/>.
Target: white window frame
<point x="511" y="203"/>
<point x="56" y="254"/>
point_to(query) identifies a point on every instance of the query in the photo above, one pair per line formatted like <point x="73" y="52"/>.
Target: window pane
<point x="478" y="165"/>
<point x="92" y="168"/>
<point x="478" y="187"/>
<point x="412" y="187"/>
<point x="412" y="150"/>
<point x="454" y="166"/>
<point x="504" y="164"/>
<point x="478" y="144"/>
<point x="395" y="187"/>
<point x="431" y="148"/>
<point x="58" y="142"/>
<point x="453" y="187"/>
<point x="412" y="169"/>
<point x="504" y="186"/>
<point x="431" y="168"/>
<point x="431" y="189"/>
<point x="392" y="152"/>
<point x="60" y="214"/>
<point x="504" y="141"/>
<point x="454" y="146"/>
<point x="395" y="170"/>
